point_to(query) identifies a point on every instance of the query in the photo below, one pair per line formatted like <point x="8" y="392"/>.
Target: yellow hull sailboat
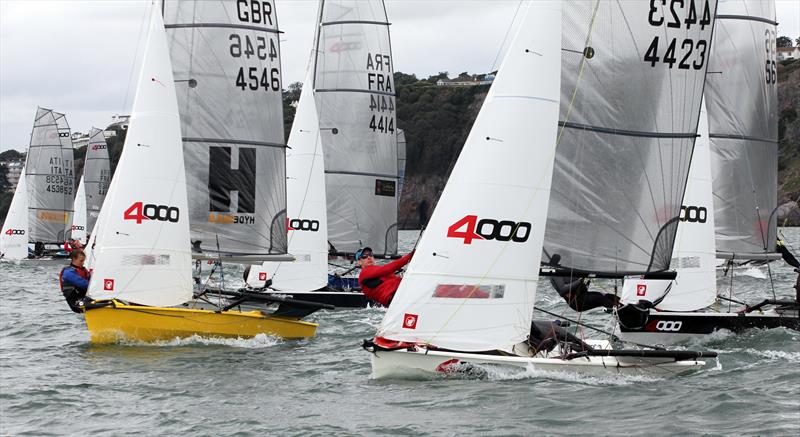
<point x="140" y="247"/>
<point x="129" y="322"/>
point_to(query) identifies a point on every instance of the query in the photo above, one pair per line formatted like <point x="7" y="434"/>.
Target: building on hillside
<point x="468" y="80"/>
<point x="13" y="172"/>
<point x="118" y="122"/>
<point x="785" y="53"/>
<point x="79" y="140"/>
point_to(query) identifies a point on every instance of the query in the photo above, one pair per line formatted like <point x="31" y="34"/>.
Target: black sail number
<point x="687" y="50"/>
<point x="667" y="11"/>
<point x="255" y="78"/>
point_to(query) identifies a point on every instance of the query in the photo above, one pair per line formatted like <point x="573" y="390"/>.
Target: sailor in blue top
<point x="74" y="280"/>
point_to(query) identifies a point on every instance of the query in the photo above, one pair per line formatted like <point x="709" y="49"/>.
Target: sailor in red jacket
<point x="379" y="283"/>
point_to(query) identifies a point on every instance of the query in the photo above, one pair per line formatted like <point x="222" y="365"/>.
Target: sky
<point x="80" y="57"/>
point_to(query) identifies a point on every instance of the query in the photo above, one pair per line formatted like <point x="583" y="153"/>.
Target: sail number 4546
<point x="470" y="228"/>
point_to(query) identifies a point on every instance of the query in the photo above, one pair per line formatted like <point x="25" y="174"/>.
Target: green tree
<point x="784" y="41"/>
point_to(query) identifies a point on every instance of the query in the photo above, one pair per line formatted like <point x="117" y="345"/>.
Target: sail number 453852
<point x="470" y="228"/>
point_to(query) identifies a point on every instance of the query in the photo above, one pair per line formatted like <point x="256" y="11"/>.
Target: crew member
<point x="577" y="293"/>
<point x="74" y="280"/>
<point x="379" y="283"/>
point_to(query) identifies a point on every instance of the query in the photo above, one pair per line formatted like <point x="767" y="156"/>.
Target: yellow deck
<point x="120" y="321"/>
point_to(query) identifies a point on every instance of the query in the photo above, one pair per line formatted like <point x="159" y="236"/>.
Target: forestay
<point x="96" y="176"/>
<point x="632" y="82"/>
<point x="226" y="63"/>
<point x="355" y="96"/>
<point x="78" y="229"/>
<point x="50" y="173"/>
<point x="14" y="236"/>
<point x="472" y="282"/>
<point x="140" y="245"/>
<point x="743" y="121"/>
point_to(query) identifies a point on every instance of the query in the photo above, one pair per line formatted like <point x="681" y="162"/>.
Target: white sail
<point x="694" y="256"/>
<point x="306" y="207"/>
<point x="472" y="283"/>
<point x="78" y="230"/>
<point x="14" y="236"/>
<point x="96" y="176"/>
<point x="140" y="244"/>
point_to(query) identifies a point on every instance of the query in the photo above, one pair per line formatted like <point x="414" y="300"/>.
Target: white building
<point x="785" y="53"/>
<point x="13" y="172"/>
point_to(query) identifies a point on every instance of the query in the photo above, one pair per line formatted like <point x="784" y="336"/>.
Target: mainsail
<point x="140" y="245"/>
<point x="14" y="236"/>
<point x="355" y="97"/>
<point x="50" y="178"/>
<point x="226" y="64"/>
<point x="632" y="84"/>
<point x="743" y="122"/>
<point x="472" y="283"/>
<point x="96" y="176"/>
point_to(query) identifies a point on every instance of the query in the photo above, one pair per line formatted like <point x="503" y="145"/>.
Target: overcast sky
<point x="78" y="57"/>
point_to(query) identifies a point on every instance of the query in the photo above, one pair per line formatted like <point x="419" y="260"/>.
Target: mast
<point x="630" y="102"/>
<point x="139" y="248"/>
<point x="743" y="123"/>
<point x="355" y="96"/>
<point x="226" y="63"/>
<point x="50" y="173"/>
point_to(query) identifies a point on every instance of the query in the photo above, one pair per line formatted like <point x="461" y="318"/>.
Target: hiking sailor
<point x="379" y="283"/>
<point x="577" y="293"/>
<point x="74" y="280"/>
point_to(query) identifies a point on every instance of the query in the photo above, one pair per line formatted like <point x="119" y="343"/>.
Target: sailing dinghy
<point x="469" y="293"/>
<point x="140" y="248"/>
<point x="732" y="218"/>
<point x="343" y="163"/>
<point x="14" y="236"/>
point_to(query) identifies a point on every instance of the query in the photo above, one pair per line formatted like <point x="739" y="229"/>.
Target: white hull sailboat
<point x="468" y="296"/>
<point x="728" y="211"/>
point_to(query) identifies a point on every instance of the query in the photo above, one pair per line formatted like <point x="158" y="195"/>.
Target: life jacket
<point x="81" y="271"/>
<point x="372" y="282"/>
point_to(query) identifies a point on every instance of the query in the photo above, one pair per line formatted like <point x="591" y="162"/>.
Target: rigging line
<point x="535" y="192"/>
<point x="594" y="328"/>
<point x="505" y="37"/>
<point x="135" y="57"/>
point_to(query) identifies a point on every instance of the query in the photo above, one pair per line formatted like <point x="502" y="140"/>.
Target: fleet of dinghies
<point x="625" y="141"/>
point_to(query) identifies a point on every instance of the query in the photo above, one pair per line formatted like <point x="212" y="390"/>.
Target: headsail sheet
<point x="355" y="96"/>
<point x="471" y="285"/>
<point x="226" y="63"/>
<point x="96" y="176"/>
<point x="743" y="123"/>
<point x="51" y="178"/>
<point x="632" y="83"/>
<point x="139" y="248"/>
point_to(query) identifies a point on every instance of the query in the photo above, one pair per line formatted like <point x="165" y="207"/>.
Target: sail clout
<point x="741" y="95"/>
<point x="226" y="63"/>
<point x="632" y="84"/>
<point x="96" y="176"/>
<point x="50" y="178"/>
<point x="140" y="245"/>
<point x="14" y="233"/>
<point x="472" y="283"/>
<point x="355" y="98"/>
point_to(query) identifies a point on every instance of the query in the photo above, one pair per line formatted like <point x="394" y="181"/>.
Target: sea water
<point x="54" y="382"/>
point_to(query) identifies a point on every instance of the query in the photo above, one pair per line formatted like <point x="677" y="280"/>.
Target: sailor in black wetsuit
<point x="577" y="293"/>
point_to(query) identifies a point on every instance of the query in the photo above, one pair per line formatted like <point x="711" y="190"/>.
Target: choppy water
<point x="53" y="382"/>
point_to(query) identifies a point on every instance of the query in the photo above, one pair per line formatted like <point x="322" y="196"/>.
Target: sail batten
<point x="228" y="61"/>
